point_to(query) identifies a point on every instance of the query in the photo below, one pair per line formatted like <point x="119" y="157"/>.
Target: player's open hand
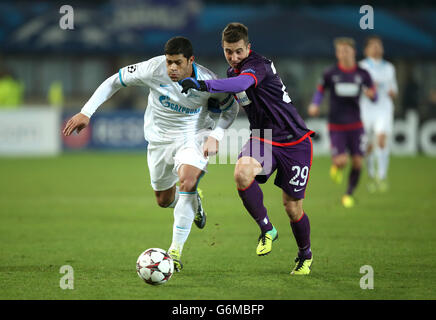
<point x="313" y="110"/>
<point x="192" y="83"/>
<point x="77" y="122"/>
<point x="210" y="147"/>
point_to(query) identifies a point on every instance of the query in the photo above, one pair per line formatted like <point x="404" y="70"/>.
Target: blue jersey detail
<point x="194" y="66"/>
<point x="121" y="79"/>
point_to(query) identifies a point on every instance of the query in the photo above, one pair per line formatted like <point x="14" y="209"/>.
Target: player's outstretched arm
<point x="313" y="109"/>
<point x="102" y="94"/>
<point x="78" y="122"/>
<point x="106" y="90"/>
<point x="234" y="85"/>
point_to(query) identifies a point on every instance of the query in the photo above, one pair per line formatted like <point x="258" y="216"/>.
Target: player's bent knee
<point x="294" y="213"/>
<point x="382" y="141"/>
<point x="165" y="197"/>
<point x="340" y="161"/>
<point x="188" y="184"/>
<point x="294" y="210"/>
<point x="357" y="162"/>
<point x="163" y="202"/>
<point x="246" y="170"/>
<point x="243" y="176"/>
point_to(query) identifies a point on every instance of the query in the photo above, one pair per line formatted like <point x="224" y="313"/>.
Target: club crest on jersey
<point x="167" y="103"/>
<point x="357" y="79"/>
<point x="336" y="78"/>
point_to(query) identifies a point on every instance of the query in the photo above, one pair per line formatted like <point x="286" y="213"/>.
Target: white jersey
<point x="383" y="75"/>
<point x="170" y="115"/>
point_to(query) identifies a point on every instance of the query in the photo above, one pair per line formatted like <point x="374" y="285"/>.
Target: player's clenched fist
<point x="313" y="110"/>
<point x="192" y="83"/>
<point x="210" y="147"/>
<point x="77" y="122"/>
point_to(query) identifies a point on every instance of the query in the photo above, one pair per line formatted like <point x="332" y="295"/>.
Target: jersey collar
<point x="347" y="70"/>
<point x="194" y="68"/>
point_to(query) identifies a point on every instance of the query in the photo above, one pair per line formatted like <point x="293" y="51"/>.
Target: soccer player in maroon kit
<point x="345" y="82"/>
<point x="279" y="141"/>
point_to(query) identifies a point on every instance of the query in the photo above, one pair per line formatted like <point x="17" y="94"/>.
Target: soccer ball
<point x="155" y="266"/>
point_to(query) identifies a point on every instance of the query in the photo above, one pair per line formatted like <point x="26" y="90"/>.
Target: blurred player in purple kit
<point x="277" y="130"/>
<point x="345" y="81"/>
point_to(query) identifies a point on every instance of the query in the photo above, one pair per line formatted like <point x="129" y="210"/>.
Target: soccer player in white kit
<point x="378" y="117"/>
<point x="175" y="126"/>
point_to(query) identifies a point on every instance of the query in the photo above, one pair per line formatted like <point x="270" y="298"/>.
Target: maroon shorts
<point x="292" y="162"/>
<point x="342" y="141"/>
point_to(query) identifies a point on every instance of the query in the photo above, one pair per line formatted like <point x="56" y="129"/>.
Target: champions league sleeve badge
<point x="131" y="68"/>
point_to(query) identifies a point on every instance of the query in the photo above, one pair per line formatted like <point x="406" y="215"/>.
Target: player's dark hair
<point x="179" y="45"/>
<point x="370" y="38"/>
<point x="234" y="32"/>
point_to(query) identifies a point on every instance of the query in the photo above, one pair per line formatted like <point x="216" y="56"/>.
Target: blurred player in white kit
<point x="378" y="116"/>
<point x="175" y="126"/>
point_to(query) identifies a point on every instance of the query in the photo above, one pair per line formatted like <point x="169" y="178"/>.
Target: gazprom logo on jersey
<point x="166" y="102"/>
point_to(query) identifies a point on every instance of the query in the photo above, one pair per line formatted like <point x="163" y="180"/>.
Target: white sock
<point x="184" y="214"/>
<point x="176" y="198"/>
<point x="382" y="162"/>
<point x="370" y="163"/>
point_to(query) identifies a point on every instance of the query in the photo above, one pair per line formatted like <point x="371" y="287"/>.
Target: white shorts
<point x="165" y="159"/>
<point x="377" y="122"/>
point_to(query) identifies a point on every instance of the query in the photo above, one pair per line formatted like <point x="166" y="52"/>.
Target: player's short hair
<point x="234" y="32"/>
<point x="370" y="38"/>
<point x="179" y="45"/>
<point x="345" y="40"/>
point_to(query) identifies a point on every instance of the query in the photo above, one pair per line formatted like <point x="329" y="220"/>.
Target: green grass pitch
<point x="97" y="213"/>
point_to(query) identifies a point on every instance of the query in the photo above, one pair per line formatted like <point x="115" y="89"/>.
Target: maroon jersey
<point x="345" y="87"/>
<point x="267" y="103"/>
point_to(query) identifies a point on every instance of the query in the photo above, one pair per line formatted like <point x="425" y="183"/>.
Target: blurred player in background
<point x="345" y="81"/>
<point x="378" y="116"/>
<point x="174" y="126"/>
<point x="271" y="114"/>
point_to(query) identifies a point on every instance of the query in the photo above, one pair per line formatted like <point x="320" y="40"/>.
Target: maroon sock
<point x="353" y="179"/>
<point x="252" y="198"/>
<point x="301" y="230"/>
